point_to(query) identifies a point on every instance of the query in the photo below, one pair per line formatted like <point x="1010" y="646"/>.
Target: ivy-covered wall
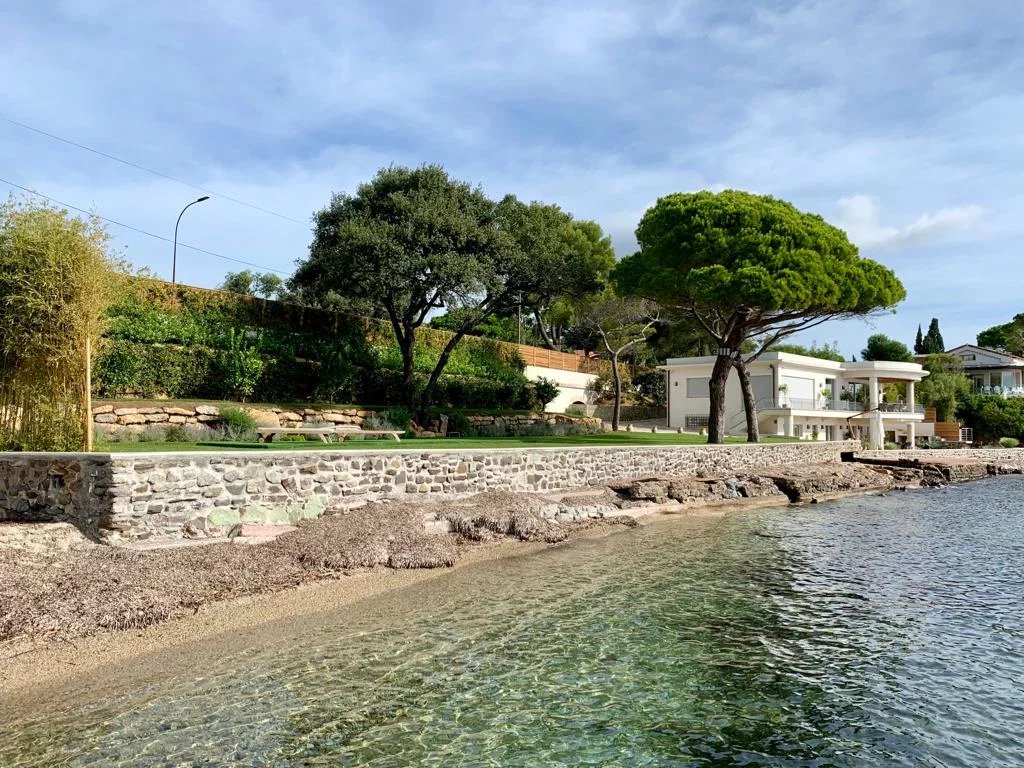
<point x="181" y="342"/>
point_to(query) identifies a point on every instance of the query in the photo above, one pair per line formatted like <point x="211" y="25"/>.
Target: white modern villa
<point x="803" y="397"/>
<point x="991" y="371"/>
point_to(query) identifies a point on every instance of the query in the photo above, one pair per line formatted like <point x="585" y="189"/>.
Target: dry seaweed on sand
<point x="84" y="590"/>
<point x="376" y="534"/>
<point x="498" y="513"/>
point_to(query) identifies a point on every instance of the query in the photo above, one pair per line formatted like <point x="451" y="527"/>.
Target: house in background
<point x="804" y="397"/>
<point x="991" y="371"/>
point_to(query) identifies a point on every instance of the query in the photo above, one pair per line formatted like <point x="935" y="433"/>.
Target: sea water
<point x="872" y="631"/>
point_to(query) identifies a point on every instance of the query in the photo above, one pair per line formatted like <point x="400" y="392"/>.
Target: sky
<point x="898" y="120"/>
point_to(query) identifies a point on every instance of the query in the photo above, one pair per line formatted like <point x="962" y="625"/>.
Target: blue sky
<point x="899" y="121"/>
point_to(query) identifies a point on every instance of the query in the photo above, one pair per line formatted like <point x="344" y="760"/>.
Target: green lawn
<point x="606" y="438"/>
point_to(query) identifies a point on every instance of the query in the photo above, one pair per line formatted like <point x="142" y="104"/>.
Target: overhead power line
<point x="130" y="164"/>
<point x="140" y="231"/>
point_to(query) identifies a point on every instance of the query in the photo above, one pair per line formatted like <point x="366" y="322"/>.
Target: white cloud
<point x="861" y="217"/>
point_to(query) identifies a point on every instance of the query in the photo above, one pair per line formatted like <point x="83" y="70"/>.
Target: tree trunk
<point x="405" y="344"/>
<point x="549" y="342"/>
<point x="617" y="384"/>
<point x="716" y="416"/>
<point x="749" y="406"/>
<point x="426" y="398"/>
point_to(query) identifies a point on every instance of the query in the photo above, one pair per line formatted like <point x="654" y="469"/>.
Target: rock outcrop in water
<point x="813" y="482"/>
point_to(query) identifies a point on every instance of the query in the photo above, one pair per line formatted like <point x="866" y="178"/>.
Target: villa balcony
<point x="1003" y="391"/>
<point x="834" y="406"/>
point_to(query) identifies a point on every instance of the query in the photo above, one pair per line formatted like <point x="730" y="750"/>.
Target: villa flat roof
<point x="863" y="368"/>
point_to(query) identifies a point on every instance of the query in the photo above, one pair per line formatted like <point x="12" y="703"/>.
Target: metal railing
<point x="821" y="404"/>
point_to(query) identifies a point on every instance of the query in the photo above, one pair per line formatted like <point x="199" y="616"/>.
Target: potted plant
<point x="783" y="400"/>
<point x="826" y="395"/>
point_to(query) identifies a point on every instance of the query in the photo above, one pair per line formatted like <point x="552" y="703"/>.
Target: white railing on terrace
<point x="1004" y="391"/>
<point x="821" y="404"/>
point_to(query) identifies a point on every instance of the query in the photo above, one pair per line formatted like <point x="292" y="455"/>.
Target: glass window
<point x="692" y="423"/>
<point x="968" y="357"/>
<point x="698" y="388"/>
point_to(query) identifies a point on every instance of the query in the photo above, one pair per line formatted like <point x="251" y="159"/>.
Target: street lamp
<point x="174" y="263"/>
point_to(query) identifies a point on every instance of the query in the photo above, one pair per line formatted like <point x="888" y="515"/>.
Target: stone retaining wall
<point x="1009" y="456"/>
<point x="118" y="497"/>
<point x="117" y="417"/>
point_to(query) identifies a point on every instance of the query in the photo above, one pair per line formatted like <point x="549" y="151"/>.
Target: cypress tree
<point x="932" y="343"/>
<point x="918" y="342"/>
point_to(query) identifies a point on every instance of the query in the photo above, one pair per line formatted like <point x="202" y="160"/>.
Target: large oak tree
<point x="413" y="241"/>
<point x="749" y="267"/>
<point x="409" y="242"/>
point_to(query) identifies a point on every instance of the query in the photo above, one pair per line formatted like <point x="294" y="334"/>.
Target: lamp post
<point x="174" y="262"/>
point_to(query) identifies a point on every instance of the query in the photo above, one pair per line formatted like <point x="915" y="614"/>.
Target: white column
<point x="790" y="426"/>
<point x="911" y="425"/>
<point x="874" y="433"/>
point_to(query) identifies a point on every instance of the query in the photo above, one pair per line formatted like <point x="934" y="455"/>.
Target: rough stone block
<point x="224" y="516"/>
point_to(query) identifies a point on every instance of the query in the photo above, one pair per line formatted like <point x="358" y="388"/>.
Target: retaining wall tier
<point x="120" y="497"/>
<point x="1008" y="456"/>
<point x="129" y="417"/>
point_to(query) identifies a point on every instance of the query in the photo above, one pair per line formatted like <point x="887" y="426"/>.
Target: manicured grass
<point x="605" y="438"/>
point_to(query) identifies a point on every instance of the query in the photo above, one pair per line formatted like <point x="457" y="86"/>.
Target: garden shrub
<point x="458" y="422"/>
<point x="650" y="385"/>
<point x="240" y="367"/>
<point x="545" y="390"/>
<point x="177" y="433"/>
<point x="151" y="434"/>
<point x="237" y="423"/>
<point x="993" y="416"/>
<point x="1009" y="442"/>
<point x="398" y="416"/>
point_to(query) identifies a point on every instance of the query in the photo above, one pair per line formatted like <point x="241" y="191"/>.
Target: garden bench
<point x="350" y="429"/>
<point x="267" y="434"/>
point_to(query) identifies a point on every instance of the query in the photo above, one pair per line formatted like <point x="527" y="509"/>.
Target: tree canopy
<point x="411" y="241"/>
<point x="266" y="285"/>
<point x="945" y="386"/>
<point x="881" y="347"/>
<point x="746" y="266"/>
<point x="1008" y="337"/>
<point x="932" y="343"/>
<point x="824" y="352"/>
<point x="620" y="324"/>
<point x="414" y="240"/>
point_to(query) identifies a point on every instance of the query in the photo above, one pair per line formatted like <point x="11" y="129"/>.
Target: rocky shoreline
<point x="55" y="585"/>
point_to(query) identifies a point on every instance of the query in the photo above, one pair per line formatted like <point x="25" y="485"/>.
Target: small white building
<point x="804" y="397"/>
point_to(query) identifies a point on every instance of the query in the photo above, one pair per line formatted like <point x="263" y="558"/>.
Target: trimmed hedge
<point x="179" y="342"/>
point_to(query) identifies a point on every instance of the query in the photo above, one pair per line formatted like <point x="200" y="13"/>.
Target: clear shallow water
<point x="866" y="632"/>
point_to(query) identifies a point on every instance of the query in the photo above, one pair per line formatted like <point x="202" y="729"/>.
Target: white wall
<point x="572" y="386"/>
<point x="680" y="405"/>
